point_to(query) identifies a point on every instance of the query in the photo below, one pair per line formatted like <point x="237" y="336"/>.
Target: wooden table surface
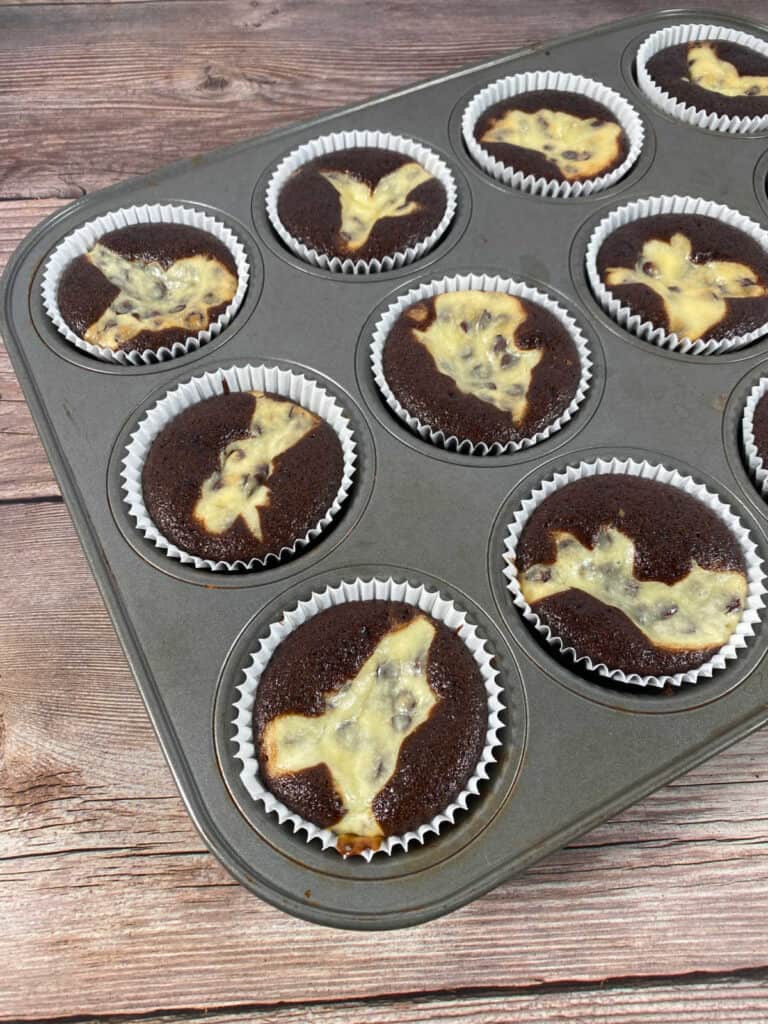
<point x="109" y="904"/>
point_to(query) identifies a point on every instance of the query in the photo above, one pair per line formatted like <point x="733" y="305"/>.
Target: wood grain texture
<point x="109" y="903"/>
<point x="108" y="899"/>
<point x="726" y="1001"/>
<point x="85" y="105"/>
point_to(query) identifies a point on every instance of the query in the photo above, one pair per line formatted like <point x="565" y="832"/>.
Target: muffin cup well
<point x="623" y="315"/>
<point x="356" y="139"/>
<point x="533" y="81"/>
<point x="757" y="467"/>
<point x="298" y="388"/>
<point x="665" y="475"/>
<point x="480" y="282"/>
<point x="80" y="241"/>
<point x="675" y="35"/>
<point x="430" y="602"/>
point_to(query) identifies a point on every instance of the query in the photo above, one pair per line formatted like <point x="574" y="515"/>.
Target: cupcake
<point x="361" y="201"/>
<point x="480" y="363"/>
<point x="707" y="75"/>
<point x="238" y="467"/>
<point x="683" y="272"/>
<point x="755" y="434"/>
<point x="144" y="287"/>
<point x="368" y="716"/>
<point x="552" y="134"/>
<point x="641" y="578"/>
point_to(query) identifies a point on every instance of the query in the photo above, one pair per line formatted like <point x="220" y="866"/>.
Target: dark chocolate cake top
<point x="147" y="286"/>
<point x="760" y="428"/>
<point x="369" y="720"/>
<point x="241" y="475"/>
<point x="361" y="204"/>
<point x="689" y="274"/>
<point x="483" y="366"/>
<point x="715" y="75"/>
<point x="553" y="134"/>
<point x="633" y="573"/>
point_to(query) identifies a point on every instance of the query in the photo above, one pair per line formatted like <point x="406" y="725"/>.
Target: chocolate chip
<point x="485" y="319"/>
<point x="569" y="154"/>
<point x="538" y="574"/>
<point x="499" y="343"/>
<point x="674" y="288"/>
<point x="404" y="700"/>
<point x="515" y="391"/>
<point x="747" y="282"/>
<point x="346" y="733"/>
<point x="179" y="308"/>
<point x="668" y="611"/>
<point x="209" y="297"/>
<point x="650" y="269"/>
<point x="387" y="670"/>
<point x="378" y="771"/>
<point x="753" y="90"/>
<point x="126" y="306"/>
<point x="733" y="604"/>
<point x="401" y="721"/>
<point x="481" y="372"/>
<point x="490" y="385"/>
<point x="542" y="122"/>
<point x="467" y="352"/>
<point x="584" y="155"/>
<point x="236" y="453"/>
<point x="464" y="325"/>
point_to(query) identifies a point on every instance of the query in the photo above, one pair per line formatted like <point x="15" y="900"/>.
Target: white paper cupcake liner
<point x="675" y="35"/>
<point x="757" y="468"/>
<point x="648" y="471"/>
<point x="354" y="140"/>
<point x="81" y="240"/>
<point x="489" y="283"/>
<point x="623" y="315"/>
<point x="430" y="602"/>
<point x="533" y="81"/>
<point x="300" y="389"/>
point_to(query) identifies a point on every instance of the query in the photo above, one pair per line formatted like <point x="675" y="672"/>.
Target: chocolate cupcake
<point x="552" y="133"/>
<point x="145" y="283"/>
<point x="360" y="202"/>
<point x="225" y="475"/>
<point x="480" y="363"/>
<point x="682" y="272"/>
<point x="707" y="75"/>
<point x="370" y="716"/>
<point x="754" y="428"/>
<point x="639" y="573"/>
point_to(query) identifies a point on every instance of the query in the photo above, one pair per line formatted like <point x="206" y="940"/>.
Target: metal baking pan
<point x="575" y="752"/>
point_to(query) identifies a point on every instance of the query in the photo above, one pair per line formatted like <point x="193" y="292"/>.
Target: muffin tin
<point x="574" y="750"/>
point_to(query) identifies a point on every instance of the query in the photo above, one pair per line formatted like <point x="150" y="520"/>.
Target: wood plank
<point x="89" y="100"/>
<point x="108" y="899"/>
<point x="24" y="469"/>
<point x="727" y="1001"/>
